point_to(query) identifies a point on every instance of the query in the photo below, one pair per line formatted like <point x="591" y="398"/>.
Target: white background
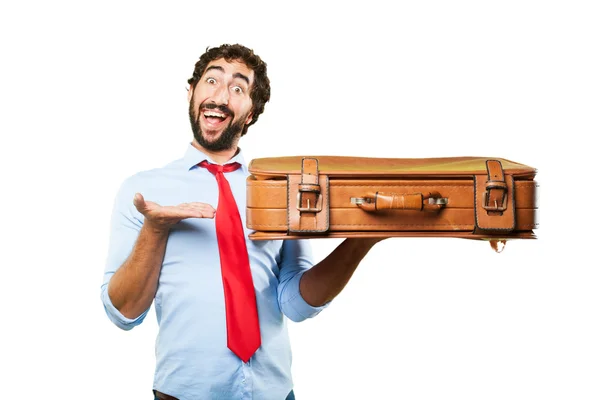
<point x="92" y="92"/>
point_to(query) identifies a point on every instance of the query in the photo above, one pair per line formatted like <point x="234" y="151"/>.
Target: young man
<point x="220" y="299"/>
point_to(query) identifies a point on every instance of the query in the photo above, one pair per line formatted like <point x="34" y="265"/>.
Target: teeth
<point x="213" y="114"/>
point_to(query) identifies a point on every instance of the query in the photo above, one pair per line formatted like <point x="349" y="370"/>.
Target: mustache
<point x="221" y="108"/>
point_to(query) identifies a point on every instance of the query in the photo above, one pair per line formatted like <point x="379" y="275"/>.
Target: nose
<point x="221" y="95"/>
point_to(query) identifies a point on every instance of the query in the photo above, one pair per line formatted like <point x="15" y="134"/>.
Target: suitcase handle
<point x="381" y="201"/>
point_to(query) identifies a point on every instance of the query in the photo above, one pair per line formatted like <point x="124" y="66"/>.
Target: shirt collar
<point x="193" y="157"/>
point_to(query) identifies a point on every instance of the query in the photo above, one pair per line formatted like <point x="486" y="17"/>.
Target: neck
<point x="220" y="157"/>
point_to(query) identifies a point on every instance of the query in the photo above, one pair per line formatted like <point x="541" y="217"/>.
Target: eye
<point x="211" y="81"/>
<point x="237" y="89"/>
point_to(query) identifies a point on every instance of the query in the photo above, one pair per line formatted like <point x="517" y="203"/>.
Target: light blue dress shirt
<point x="192" y="358"/>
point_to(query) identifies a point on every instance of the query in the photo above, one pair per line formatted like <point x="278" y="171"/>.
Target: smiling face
<point x="220" y="104"/>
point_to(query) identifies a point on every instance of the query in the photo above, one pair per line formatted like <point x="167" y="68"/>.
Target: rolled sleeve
<point x="125" y="226"/>
<point x="296" y="259"/>
<point x="115" y="315"/>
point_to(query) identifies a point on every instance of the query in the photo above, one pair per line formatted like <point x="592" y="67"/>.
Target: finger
<point x="202" y="214"/>
<point x="139" y="202"/>
<point x="198" y="206"/>
<point x="201" y="209"/>
<point x="204" y="207"/>
<point x="191" y="213"/>
<point x="208" y="213"/>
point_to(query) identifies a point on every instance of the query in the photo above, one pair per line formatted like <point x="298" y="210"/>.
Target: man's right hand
<point x="163" y="218"/>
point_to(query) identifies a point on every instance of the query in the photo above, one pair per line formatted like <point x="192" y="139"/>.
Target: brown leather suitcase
<point x="332" y="196"/>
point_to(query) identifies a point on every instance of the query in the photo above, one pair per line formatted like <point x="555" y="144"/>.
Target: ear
<point x="190" y="93"/>
<point x="248" y="118"/>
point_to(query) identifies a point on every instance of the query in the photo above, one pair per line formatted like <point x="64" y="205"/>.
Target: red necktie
<point x="243" y="331"/>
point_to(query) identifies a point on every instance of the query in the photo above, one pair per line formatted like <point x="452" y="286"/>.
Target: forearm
<point x="323" y="282"/>
<point x="133" y="286"/>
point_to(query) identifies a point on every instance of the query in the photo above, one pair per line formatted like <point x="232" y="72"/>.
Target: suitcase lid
<point x="344" y="166"/>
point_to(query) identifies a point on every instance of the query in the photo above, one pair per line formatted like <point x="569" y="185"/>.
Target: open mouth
<point x="213" y="118"/>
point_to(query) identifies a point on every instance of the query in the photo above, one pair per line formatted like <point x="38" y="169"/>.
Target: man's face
<point x="220" y="104"/>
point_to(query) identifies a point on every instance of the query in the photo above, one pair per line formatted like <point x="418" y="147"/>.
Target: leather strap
<point x="496" y="188"/>
<point x="308" y="199"/>
<point x="494" y="199"/>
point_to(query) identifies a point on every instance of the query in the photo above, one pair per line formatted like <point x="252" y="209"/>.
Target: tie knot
<point x="216" y="168"/>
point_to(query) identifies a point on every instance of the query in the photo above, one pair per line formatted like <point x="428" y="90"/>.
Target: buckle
<point x="317" y="208"/>
<point x="496" y="207"/>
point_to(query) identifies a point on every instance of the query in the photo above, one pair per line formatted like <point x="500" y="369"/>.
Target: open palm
<point x="166" y="216"/>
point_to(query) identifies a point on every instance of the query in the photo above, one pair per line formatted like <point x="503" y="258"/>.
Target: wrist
<point x="365" y="243"/>
<point x="155" y="229"/>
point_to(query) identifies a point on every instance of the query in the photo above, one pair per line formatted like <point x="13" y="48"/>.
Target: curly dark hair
<point x="260" y="92"/>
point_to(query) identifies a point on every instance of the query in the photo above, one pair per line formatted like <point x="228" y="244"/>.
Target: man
<point x="172" y="250"/>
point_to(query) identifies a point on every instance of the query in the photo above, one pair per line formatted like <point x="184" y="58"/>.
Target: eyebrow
<point x="214" y="67"/>
<point x="241" y="76"/>
<point x="236" y="75"/>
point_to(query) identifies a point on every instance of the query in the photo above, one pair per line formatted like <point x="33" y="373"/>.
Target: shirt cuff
<point x="115" y="315"/>
<point x="296" y="308"/>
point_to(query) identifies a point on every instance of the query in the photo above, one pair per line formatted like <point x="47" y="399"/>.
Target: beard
<point x="228" y="137"/>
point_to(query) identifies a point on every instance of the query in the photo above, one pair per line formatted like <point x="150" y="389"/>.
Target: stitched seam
<point x="275" y="186"/>
<point x="305" y="231"/>
<point x="401" y="184"/>
<point x="289" y="192"/>
<point x="292" y="305"/>
<point x="278" y="225"/>
<point x="294" y="297"/>
<point x="476" y="204"/>
<point x="267" y="186"/>
<point x="336" y="225"/>
<point x="403" y="225"/>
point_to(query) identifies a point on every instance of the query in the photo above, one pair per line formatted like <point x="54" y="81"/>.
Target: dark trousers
<point x="161" y="396"/>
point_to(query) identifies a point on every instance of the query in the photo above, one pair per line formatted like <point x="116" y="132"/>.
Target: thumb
<point x="139" y="202"/>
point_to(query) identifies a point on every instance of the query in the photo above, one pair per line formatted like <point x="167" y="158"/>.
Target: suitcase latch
<point x="437" y="201"/>
<point x="361" y="200"/>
